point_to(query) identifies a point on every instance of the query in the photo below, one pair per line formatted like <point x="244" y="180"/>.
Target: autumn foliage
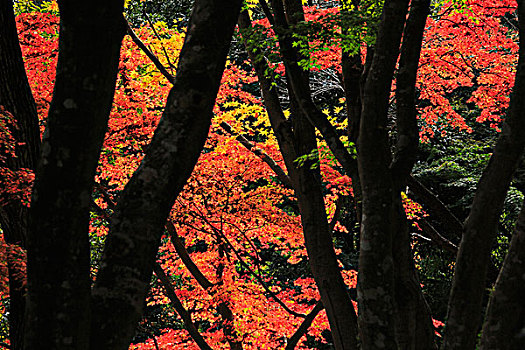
<point x="238" y="222"/>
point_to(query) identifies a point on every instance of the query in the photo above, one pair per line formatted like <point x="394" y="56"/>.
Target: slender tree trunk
<point x="323" y="262"/>
<point x="414" y="328"/>
<point x="504" y="326"/>
<point x="468" y="286"/>
<point x="375" y="286"/>
<point x="145" y="203"/>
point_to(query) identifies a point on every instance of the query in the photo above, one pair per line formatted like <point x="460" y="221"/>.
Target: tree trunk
<point x="414" y="328"/>
<point x="58" y="247"/>
<point x="16" y="98"/>
<point x="375" y="286"/>
<point x="145" y="203"/>
<point x="504" y="326"/>
<point x="318" y="239"/>
<point x="468" y="286"/>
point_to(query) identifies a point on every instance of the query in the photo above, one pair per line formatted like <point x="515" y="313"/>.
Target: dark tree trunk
<point x="414" y="328"/>
<point x="145" y="203"/>
<point x="301" y="141"/>
<point x="375" y="286"/>
<point x="468" y="286"/>
<point x="17" y="99"/>
<point x="504" y="326"/>
<point x="58" y="249"/>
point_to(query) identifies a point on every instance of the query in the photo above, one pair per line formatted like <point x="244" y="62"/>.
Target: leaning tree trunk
<point x="322" y="259"/>
<point x="504" y="326"/>
<point x="468" y="286"/>
<point x="144" y="205"/>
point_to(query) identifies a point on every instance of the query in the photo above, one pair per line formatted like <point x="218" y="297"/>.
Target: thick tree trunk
<point x="16" y="98"/>
<point x="504" y="326"/>
<point x="468" y="286"/>
<point x="145" y="203"/>
<point x="58" y="249"/>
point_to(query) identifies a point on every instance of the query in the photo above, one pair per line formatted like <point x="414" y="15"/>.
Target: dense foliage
<point x="233" y="249"/>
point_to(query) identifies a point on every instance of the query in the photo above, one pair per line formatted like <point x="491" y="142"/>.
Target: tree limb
<point x="303" y="328"/>
<point x="154" y="59"/>
<point x="281" y="175"/>
<point x="177" y="304"/>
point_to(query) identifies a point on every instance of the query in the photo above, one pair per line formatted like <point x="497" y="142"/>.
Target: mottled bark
<point x="58" y="248"/>
<point x="504" y="326"/>
<point x="375" y="288"/>
<point x="468" y="286"/>
<point x="16" y="98"/>
<point x="144" y="205"/>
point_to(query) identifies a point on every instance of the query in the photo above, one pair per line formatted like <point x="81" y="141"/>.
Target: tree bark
<point x="322" y="259"/>
<point x="504" y="326"/>
<point x="16" y="98"/>
<point x="375" y="288"/>
<point x="414" y="328"/>
<point x="147" y="199"/>
<point x="468" y="286"/>
<point x="58" y="248"/>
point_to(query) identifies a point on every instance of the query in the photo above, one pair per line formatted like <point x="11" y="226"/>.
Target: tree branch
<point x="301" y="330"/>
<point x="177" y="305"/>
<point x="436" y="207"/>
<point x="150" y="54"/>
<point x="281" y="175"/>
<point x="185" y="257"/>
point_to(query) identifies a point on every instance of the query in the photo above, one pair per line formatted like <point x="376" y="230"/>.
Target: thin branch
<point x="155" y="342"/>
<point x="436" y="238"/>
<point x="185" y="257"/>
<point x="267" y="12"/>
<point x="307" y="322"/>
<point x="251" y="271"/>
<point x="435" y="206"/>
<point x="281" y="175"/>
<point x="150" y="54"/>
<point x="338" y="207"/>
<point x="177" y="305"/>
<point x="158" y="37"/>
